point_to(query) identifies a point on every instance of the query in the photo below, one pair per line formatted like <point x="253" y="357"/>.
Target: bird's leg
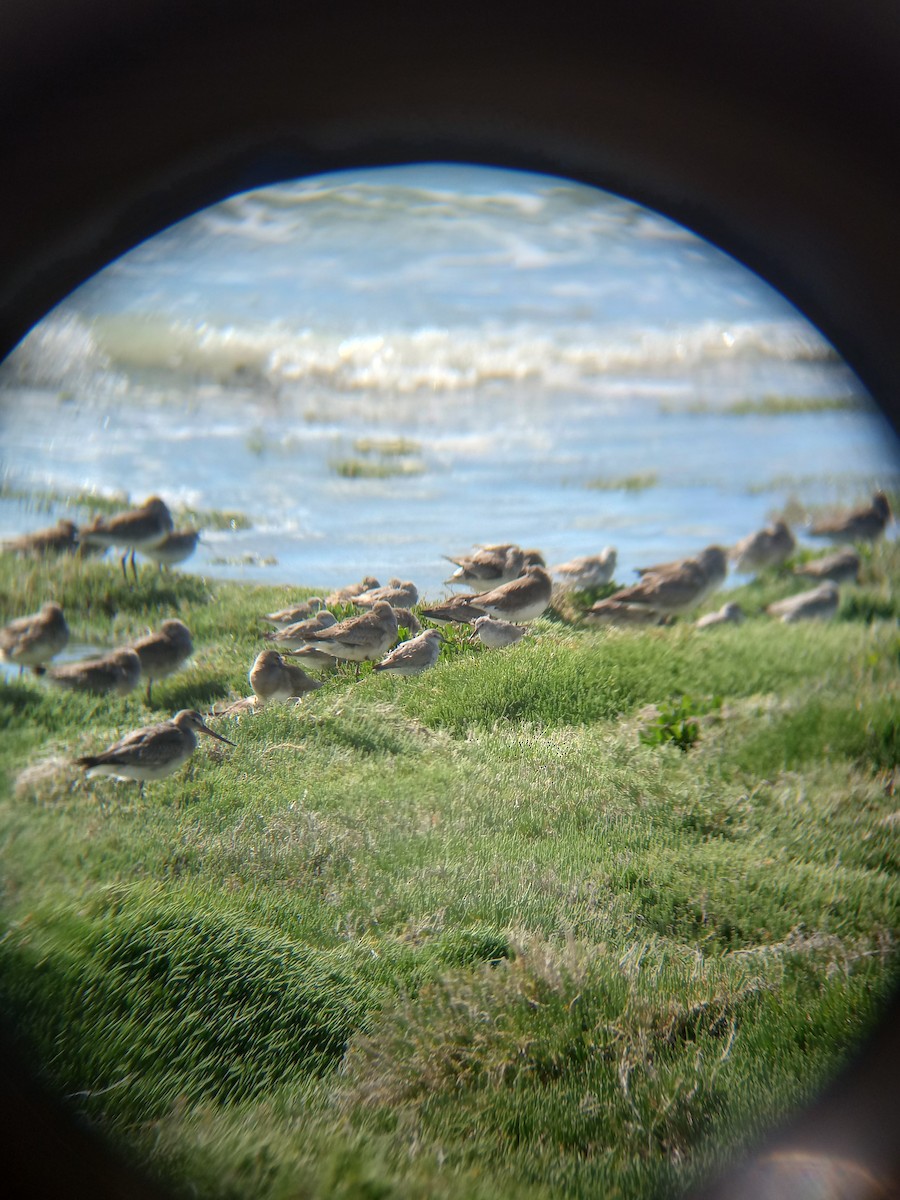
<point x="149" y="689"/>
<point x="133" y="567"/>
<point x="122" y="561"/>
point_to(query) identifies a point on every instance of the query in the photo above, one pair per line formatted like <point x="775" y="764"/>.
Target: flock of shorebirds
<point x="508" y="588"/>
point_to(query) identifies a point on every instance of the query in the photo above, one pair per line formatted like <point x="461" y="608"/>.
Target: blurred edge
<point x="770" y="128"/>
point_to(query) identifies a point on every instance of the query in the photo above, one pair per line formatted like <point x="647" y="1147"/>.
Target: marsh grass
<point x="465" y="934"/>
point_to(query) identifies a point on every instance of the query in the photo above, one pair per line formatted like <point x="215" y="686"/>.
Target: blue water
<point x="529" y="336"/>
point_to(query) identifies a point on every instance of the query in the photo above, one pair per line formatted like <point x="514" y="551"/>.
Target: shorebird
<point x="414" y="656"/>
<point x="152" y="752"/>
<point x="175" y="547"/>
<point x="398" y="593"/>
<point x="360" y="639"/>
<point x="302" y="632"/>
<point x="118" y="672"/>
<point x="408" y="620"/>
<point x="163" y="652"/>
<point x="496" y="634"/>
<point x="295" y="613"/>
<point x="60" y="538"/>
<point x="729" y="614"/>
<point x="840" y="567"/>
<point x="136" y="529"/>
<point x="33" y="640"/>
<point x="274" y="679"/>
<point x="677" y="587"/>
<point x="865" y="524"/>
<point x="820" y="603"/>
<point x="490" y="566"/>
<point x="588" y="571"/>
<point x="619" y="613"/>
<point x="768" y="547"/>
<point x="346" y="595"/>
<point x="458" y="610"/>
<point x="310" y="658"/>
<point x="522" y="599"/>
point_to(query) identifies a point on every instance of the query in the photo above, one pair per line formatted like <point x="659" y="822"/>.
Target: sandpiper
<point x="360" y="639"/>
<point x="163" y="652"/>
<point x="821" y="603"/>
<point x="496" y="634"/>
<point x="768" y="547"/>
<point x="729" y="614"/>
<point x="60" y="538"/>
<point x="175" y="547"/>
<point x="118" y="672"/>
<point x="677" y="587"/>
<point x="152" y="752"/>
<point x="588" y="571"/>
<point x="33" y="640"/>
<point x="415" y="656"/>
<point x="458" y="610"/>
<point x="399" y="594"/>
<point x="840" y="567"/>
<point x="302" y="632"/>
<point x="136" y="529"/>
<point x="294" y="613"/>
<point x="407" y="620"/>
<point x="489" y="566"/>
<point x="310" y="658"/>
<point x="522" y="599"/>
<point x="865" y="524"/>
<point x="621" y="614"/>
<point x="346" y="595"/>
<point x="272" y="678"/>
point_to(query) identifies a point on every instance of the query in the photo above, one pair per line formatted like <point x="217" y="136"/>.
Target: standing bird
<point x="32" y="641"/>
<point x="840" y="567"/>
<point x="360" y="639"/>
<point x="415" y="656"/>
<point x="137" y="529"/>
<point x="496" y="634"/>
<point x="677" y="587"/>
<point x="118" y="672"/>
<point x="175" y="547"/>
<point x="295" y="636"/>
<point x="588" y="571"/>
<point x="490" y="566"/>
<point x="865" y="524"/>
<point x="522" y="599"/>
<point x="819" y="604"/>
<point x="163" y="652"/>
<point x="152" y="752"/>
<point x="458" y="610"/>
<point x="60" y="538"/>
<point x="768" y="547"/>
<point x="272" y="678"/>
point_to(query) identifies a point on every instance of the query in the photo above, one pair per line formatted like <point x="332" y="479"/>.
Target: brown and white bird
<point x="118" y="672"/>
<point x="819" y="604"/>
<point x="61" y="538"/>
<point x="398" y="593"/>
<point x="163" y="652"/>
<point x="273" y="678"/>
<point x="729" y="614"/>
<point x="622" y="615"/>
<point x="677" y="587"/>
<point x="414" y="656"/>
<point x="458" y="610"/>
<point x="768" y="547"/>
<point x="488" y="567"/>
<point x="33" y="640"/>
<point x="360" y="639"/>
<point x="152" y="752"/>
<point x="294" y="613"/>
<point x="176" y="547"/>
<point x="346" y="595"/>
<point x="295" y="636"/>
<point x="136" y="529"/>
<point x="865" y="524"/>
<point x="841" y="567"/>
<point x="522" y="599"/>
<point x="588" y="571"/>
<point x="496" y="635"/>
<point x="407" y="619"/>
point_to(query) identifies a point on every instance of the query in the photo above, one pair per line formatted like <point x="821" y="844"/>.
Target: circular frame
<point x="769" y="128"/>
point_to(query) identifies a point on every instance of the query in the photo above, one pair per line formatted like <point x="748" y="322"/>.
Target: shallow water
<point x="562" y="367"/>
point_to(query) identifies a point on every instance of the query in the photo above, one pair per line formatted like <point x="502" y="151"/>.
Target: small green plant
<point x="678" y="721"/>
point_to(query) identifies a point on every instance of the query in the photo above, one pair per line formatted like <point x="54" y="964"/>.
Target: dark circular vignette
<point x="770" y="128"/>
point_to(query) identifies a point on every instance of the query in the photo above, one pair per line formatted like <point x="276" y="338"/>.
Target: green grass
<point x="365" y="468"/>
<point x="472" y="934"/>
<point x="624" y="483"/>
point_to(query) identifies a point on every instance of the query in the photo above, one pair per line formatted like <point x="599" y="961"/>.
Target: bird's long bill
<point x="213" y="734"/>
